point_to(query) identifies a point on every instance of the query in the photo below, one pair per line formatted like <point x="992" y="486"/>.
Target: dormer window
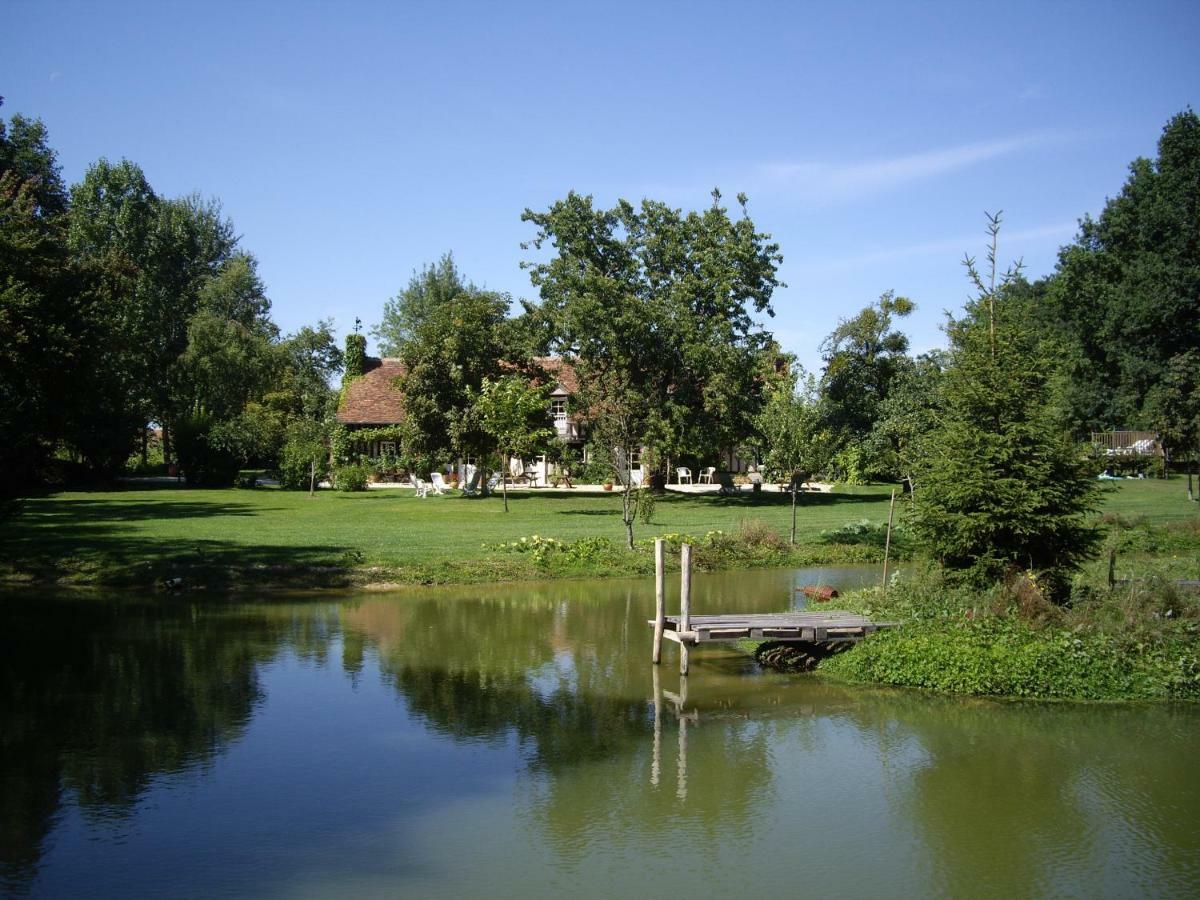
<point x="558" y="409"/>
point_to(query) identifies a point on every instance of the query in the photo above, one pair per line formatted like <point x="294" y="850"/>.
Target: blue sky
<point x="352" y="143"/>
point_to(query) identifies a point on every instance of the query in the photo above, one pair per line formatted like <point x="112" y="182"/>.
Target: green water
<point x="516" y="742"/>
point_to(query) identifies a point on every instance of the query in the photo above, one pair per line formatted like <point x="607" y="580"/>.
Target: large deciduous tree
<point x="863" y="357"/>
<point x="1126" y="294"/>
<point x="450" y="336"/>
<point x="656" y="309"/>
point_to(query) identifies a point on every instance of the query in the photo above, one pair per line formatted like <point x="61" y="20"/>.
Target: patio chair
<point x="706" y="475"/>
<point x="421" y="486"/>
<point x="682" y="473"/>
<point x="474" y="478"/>
<point x="438" y="483"/>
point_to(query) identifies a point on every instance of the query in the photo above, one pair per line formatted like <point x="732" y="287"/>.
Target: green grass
<point x="115" y="535"/>
<point x="140" y="535"/>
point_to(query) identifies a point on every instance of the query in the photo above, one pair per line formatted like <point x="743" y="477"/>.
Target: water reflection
<point x="532" y="716"/>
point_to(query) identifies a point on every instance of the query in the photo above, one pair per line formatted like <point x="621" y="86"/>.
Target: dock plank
<point x="826" y="625"/>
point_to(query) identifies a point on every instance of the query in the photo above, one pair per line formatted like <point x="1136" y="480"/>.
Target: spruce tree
<point x="1002" y="485"/>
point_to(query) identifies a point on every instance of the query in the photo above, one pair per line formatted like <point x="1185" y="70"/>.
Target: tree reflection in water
<point x="616" y="757"/>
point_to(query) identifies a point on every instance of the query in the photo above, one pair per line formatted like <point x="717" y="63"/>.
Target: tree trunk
<point x="145" y="445"/>
<point x="793" y="541"/>
<point x="504" y="479"/>
<point x="628" y="512"/>
<point x="312" y="477"/>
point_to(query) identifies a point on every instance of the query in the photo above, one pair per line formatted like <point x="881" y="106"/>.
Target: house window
<point x="558" y="409"/>
<point x="635" y="459"/>
<point x="387" y="448"/>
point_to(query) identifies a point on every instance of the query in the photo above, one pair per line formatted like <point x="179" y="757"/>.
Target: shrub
<point x="352" y="477"/>
<point x="303" y="450"/>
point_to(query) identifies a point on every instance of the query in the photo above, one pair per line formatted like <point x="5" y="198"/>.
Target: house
<point x="373" y="401"/>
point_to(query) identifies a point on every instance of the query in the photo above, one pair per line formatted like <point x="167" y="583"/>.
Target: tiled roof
<point x="374" y="399"/>
<point x="562" y="371"/>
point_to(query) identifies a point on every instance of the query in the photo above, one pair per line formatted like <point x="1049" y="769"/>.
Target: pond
<point x="514" y="741"/>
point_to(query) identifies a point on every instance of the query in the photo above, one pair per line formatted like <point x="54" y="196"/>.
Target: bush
<point x="205" y="462"/>
<point x="296" y="461"/>
<point x="352" y="477"/>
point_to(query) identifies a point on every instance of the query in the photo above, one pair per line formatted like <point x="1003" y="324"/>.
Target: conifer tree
<point x="1002" y="485"/>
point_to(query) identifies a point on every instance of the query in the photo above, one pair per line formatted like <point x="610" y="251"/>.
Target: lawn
<point x="85" y="535"/>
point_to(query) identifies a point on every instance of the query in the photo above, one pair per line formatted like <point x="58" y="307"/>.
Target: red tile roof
<point x="374" y="398"/>
<point x="562" y="371"/>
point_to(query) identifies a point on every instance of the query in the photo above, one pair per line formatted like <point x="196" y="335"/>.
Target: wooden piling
<point x="685" y="604"/>
<point x="887" y="545"/>
<point x="660" y="600"/>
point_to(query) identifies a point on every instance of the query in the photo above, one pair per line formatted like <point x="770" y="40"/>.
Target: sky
<point x="353" y="143"/>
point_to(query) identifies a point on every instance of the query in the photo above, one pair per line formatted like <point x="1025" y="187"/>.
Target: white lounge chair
<point x="682" y="473"/>
<point x="706" y="475"/>
<point x="438" y="483"/>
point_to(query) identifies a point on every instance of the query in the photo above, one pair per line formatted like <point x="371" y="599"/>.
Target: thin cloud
<point x="957" y="246"/>
<point x="830" y="181"/>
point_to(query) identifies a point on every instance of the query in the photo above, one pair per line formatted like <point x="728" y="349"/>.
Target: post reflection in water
<point x="152" y="746"/>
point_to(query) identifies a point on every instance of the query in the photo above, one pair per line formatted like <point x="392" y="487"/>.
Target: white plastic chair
<point x="438" y="483"/>
<point x="706" y="475"/>
<point x="683" y="473"/>
<point x="421" y="486"/>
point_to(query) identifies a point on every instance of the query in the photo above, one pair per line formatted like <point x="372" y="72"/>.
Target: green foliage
<point x="515" y="414"/>
<point x="205" y="457"/>
<point x="1125" y="299"/>
<point x="356" y="355"/>
<point x="863" y="358"/>
<point x="598" y="469"/>
<point x="790" y="428"/>
<point x="352" y="477"/>
<point x="1001" y="485"/>
<point x="654" y="307"/>
<point x="906" y="416"/>
<point x="450" y="348"/>
<point x="304" y="458"/>
<point x="434" y="287"/>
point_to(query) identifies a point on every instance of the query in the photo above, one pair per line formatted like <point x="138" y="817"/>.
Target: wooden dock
<point x="825" y="626"/>
<point x="686" y="630"/>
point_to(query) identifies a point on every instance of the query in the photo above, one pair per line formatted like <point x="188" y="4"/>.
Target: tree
<point x="791" y="430"/>
<point x="863" y="358"/>
<point x="454" y="345"/>
<point x="906" y="416"/>
<point x="435" y="286"/>
<point x="1001" y="484"/>
<point x="516" y="415"/>
<point x="25" y="151"/>
<point x="1126" y="294"/>
<point x="1173" y="408"/>
<point x="655" y="309"/>
<point x="311" y="360"/>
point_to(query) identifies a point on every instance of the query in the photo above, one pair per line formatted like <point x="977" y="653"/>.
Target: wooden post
<point x="887" y="544"/>
<point x="685" y="604"/>
<point x="660" y="601"/>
